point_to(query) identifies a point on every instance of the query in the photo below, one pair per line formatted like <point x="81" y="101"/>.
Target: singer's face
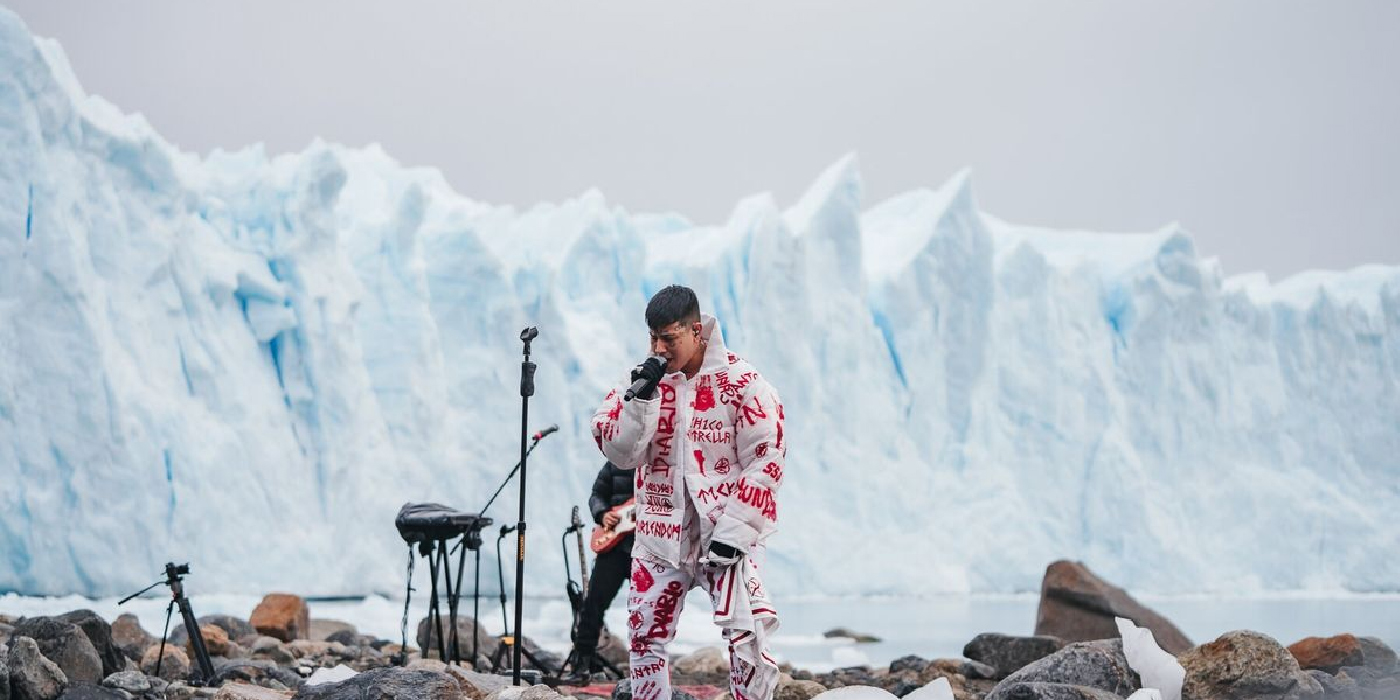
<point x="678" y="343"/>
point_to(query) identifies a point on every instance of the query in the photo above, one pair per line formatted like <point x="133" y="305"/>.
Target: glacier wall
<point x="250" y="362"/>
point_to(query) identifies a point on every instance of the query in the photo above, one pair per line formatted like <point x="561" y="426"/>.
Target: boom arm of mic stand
<point x="143" y="590"/>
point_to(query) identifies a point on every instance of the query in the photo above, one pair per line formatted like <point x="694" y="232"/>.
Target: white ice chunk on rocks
<point x="1158" y="669"/>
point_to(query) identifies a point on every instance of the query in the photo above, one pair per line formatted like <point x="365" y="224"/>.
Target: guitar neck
<point x="582" y="563"/>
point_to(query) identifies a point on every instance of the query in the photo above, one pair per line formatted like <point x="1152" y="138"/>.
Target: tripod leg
<point x="435" y="608"/>
<point x="201" y="652"/>
<point x="476" y="613"/>
<point x="446" y="565"/>
<point x="535" y="661"/>
<point x="160" y="656"/>
<point x="454" y="602"/>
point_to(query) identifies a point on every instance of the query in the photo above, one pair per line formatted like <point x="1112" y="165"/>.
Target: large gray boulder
<point x="100" y="634"/>
<point x="389" y="683"/>
<point x="1098" y="664"/>
<point x="1007" y="654"/>
<point x="4" y="671"/>
<point x="65" y="644"/>
<point x="87" y="691"/>
<point x="32" y="675"/>
<point x="427" y="638"/>
<point x="1244" y="665"/>
<point x="1377" y="655"/>
<point x="1055" y="691"/>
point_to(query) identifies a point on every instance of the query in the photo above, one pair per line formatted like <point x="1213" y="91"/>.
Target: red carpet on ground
<point x="701" y="692"/>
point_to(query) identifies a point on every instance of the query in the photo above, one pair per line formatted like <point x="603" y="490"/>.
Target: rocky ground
<point x="281" y="653"/>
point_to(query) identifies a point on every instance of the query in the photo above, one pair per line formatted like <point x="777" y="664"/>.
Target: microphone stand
<point x="527" y="389"/>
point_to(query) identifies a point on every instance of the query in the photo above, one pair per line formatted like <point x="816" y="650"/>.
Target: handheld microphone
<point x="546" y="432"/>
<point x="659" y="365"/>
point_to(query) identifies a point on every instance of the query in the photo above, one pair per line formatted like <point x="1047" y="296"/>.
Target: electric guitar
<point x="604" y="539"/>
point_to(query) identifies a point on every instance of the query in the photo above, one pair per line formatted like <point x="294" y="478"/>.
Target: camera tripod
<point x="174" y="575"/>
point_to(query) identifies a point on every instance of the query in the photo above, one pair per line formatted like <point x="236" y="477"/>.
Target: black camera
<point x="173" y="571"/>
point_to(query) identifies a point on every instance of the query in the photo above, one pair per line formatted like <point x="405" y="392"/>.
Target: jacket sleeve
<point x="623" y="429"/>
<point x="751" y="513"/>
<point x="602" y="491"/>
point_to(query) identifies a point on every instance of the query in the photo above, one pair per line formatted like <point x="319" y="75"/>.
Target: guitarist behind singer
<point x="611" y="568"/>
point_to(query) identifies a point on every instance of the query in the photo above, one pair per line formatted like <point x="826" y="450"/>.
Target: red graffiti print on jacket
<point x="760" y="497"/>
<point x="665" y="433"/>
<point x="704" y="397"/>
<point x="642" y="579"/>
<point x="754" y="411"/>
<point x="761" y="451"/>
<point x="730" y="393"/>
<point x="635" y="620"/>
<point x="773" y="471"/>
<point x="722" y="466"/>
<point x="665" y="531"/>
<point x="700" y="460"/>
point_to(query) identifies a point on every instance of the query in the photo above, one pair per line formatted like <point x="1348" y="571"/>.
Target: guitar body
<point x="604" y="539"/>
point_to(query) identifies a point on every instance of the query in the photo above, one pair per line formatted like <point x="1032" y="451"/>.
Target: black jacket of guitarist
<point x="612" y="488"/>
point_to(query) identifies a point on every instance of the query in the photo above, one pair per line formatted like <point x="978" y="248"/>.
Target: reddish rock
<point x="1078" y="606"/>
<point x="1327" y="653"/>
<point x="215" y="641"/>
<point x="282" y="616"/>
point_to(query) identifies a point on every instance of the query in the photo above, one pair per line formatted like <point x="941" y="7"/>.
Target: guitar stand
<point x="582" y="668"/>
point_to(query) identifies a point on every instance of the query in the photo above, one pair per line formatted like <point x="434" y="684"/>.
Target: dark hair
<point x="674" y="304"/>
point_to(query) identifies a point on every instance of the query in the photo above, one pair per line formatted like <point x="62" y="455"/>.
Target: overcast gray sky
<point x="1269" y="128"/>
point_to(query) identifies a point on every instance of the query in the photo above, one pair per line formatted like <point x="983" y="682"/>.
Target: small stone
<point x="243" y="691"/>
<point x="322" y="629"/>
<point x="909" y="663"/>
<point x="174" y="665"/>
<point x="798" y="690"/>
<point x="133" y="682"/>
<point x="977" y="670"/>
<point x="857" y="637"/>
<point x="701" y="661"/>
<point x="1008" y="654"/>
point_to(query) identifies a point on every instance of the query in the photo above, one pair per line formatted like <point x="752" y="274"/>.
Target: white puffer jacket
<point x="717" y="437"/>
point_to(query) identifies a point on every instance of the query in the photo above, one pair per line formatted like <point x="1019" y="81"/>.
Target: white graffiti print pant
<point x="653" y="610"/>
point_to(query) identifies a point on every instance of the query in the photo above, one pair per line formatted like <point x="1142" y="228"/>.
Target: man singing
<point x="705" y="434"/>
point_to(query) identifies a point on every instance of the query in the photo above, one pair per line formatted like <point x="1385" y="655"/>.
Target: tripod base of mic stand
<point x="581" y="670"/>
<point x="501" y="663"/>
